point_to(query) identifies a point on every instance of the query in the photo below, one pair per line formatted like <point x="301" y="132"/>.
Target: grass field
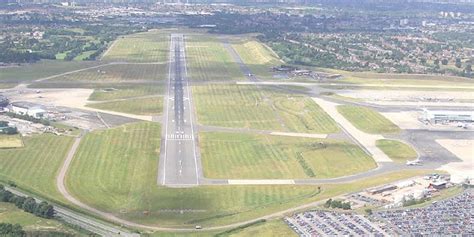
<point x="142" y="106"/>
<point x="115" y="170"/>
<point x="397" y="150"/>
<point x="118" y="73"/>
<point x="84" y="55"/>
<point x="274" y="228"/>
<point x="152" y="46"/>
<point x="244" y="106"/>
<point x="39" y="70"/>
<point x="400" y="79"/>
<point x="124" y="92"/>
<point x="248" y="156"/>
<point x="34" y="167"/>
<point x="208" y="60"/>
<point x="257" y="57"/>
<point x="367" y="120"/>
<point x="9" y="213"/>
<point x="10" y="141"/>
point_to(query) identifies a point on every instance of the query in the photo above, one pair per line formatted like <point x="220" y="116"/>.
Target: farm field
<point x="248" y="156"/>
<point x="152" y="46"/>
<point x="257" y="57"/>
<point x="208" y="60"/>
<point x="124" y="92"/>
<point x="397" y="150"/>
<point x="10" y="141"/>
<point x="9" y="213"/>
<point x="116" y="172"/>
<point x="35" y="166"/>
<point x="367" y="120"/>
<point x="141" y="106"/>
<point x="244" y="106"/>
<point x="118" y="73"/>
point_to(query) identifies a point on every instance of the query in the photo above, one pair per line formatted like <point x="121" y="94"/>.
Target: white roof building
<point x="446" y="115"/>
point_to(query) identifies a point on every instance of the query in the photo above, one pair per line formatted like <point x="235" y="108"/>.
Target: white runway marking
<point x="260" y="181"/>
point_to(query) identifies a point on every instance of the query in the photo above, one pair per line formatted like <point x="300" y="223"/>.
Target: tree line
<point x="337" y="204"/>
<point x="28" y="118"/>
<point x="28" y="204"/>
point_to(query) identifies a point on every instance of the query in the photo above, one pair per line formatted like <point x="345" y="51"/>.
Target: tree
<point x="368" y="211"/>
<point x="436" y="62"/>
<point x="44" y="210"/>
<point x="29" y="205"/>
<point x="5" y="195"/>
<point x="328" y="203"/>
<point x="468" y="69"/>
<point x="18" y="201"/>
<point x="458" y="63"/>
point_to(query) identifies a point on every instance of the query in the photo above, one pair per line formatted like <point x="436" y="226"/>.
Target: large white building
<point x="436" y="116"/>
<point x="26" y="108"/>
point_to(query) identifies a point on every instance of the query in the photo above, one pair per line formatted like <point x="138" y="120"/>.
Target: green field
<point x="9" y="213"/>
<point x="367" y="120"/>
<point x="35" y="166"/>
<point x="244" y="106"/>
<point x="274" y="228"/>
<point x="84" y="55"/>
<point x="400" y="79"/>
<point x="208" y="60"/>
<point x="142" y="106"/>
<point x="152" y="46"/>
<point x="125" y="92"/>
<point x="39" y="70"/>
<point x="115" y="170"/>
<point x="397" y="150"/>
<point x="118" y="73"/>
<point x="258" y="57"/>
<point x="10" y="141"/>
<point x="247" y="156"/>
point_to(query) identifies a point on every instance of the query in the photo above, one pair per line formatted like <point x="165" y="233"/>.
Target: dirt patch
<point x="74" y="98"/>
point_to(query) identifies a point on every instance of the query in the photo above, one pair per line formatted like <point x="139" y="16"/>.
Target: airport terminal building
<point x="436" y="116"/>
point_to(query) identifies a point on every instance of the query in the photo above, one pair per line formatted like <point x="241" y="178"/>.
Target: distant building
<point x="4" y="101"/>
<point x="438" y="185"/>
<point x="26" y="108"/>
<point x="381" y="189"/>
<point x="435" y="116"/>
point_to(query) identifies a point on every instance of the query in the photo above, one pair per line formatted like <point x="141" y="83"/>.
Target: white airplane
<point x="413" y="162"/>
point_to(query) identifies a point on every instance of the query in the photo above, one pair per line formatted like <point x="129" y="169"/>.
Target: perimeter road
<point x="72" y="217"/>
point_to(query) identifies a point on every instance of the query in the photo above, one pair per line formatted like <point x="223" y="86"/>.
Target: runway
<point x="179" y="155"/>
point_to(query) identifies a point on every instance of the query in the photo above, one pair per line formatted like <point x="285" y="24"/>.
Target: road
<point x="72" y="217"/>
<point x="179" y="160"/>
<point x="179" y="165"/>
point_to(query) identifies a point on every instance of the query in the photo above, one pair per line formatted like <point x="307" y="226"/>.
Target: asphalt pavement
<point x="179" y="164"/>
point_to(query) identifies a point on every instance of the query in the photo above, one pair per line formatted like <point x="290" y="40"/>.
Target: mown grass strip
<point x="367" y="119"/>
